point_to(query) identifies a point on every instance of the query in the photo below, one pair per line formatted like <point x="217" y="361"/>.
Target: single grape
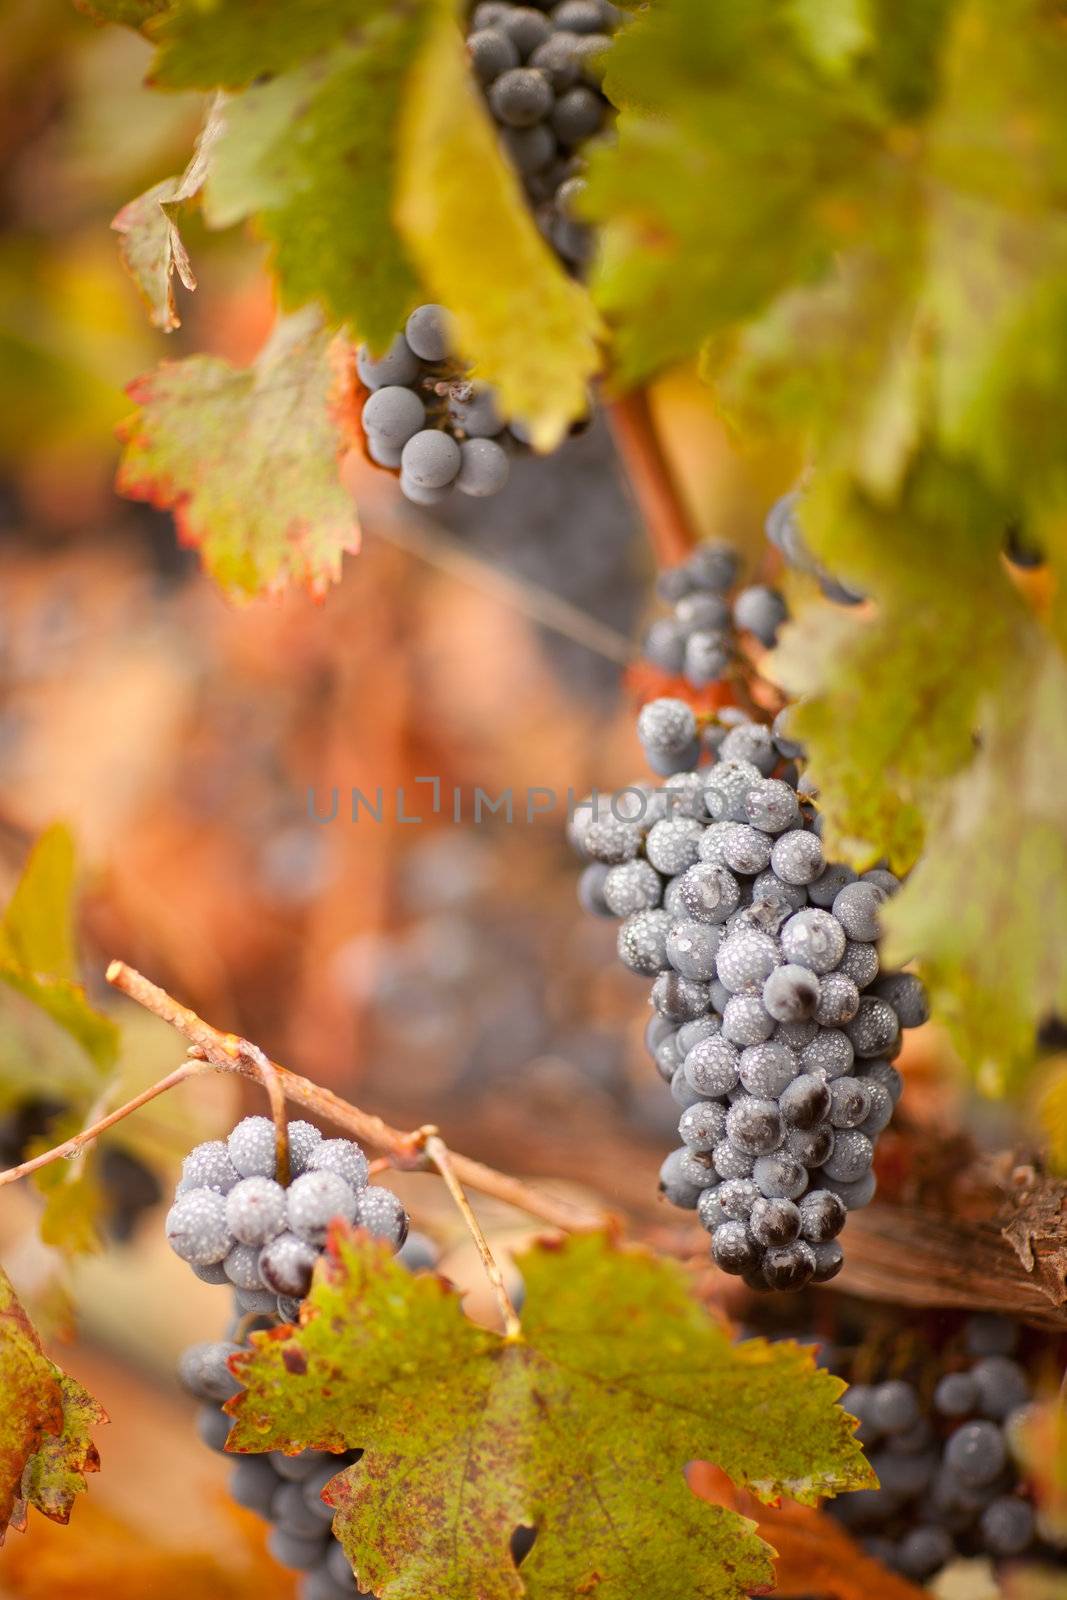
<point x="702" y="1125"/>
<point x="528" y="28"/>
<point x="253" y="1484"/>
<point x="771" y="806"/>
<point x="491" y="53"/>
<point x="829" y="1259"/>
<point x="304" y="1138"/>
<point x="671" y="845"/>
<point x="631" y="886"/>
<point x="851" y="1158"/>
<point x="727" y="785"/>
<point x="286" y="1265"/>
<point x="344" y="1157"/>
<point x="558" y="60"/>
<point x="681" y="999"/>
<point x="761" y="611"/>
<point x="196" y="1227"/>
<point x="203" y="1370"/>
<point x="676" y="1188"/>
<point x="393" y="414"/>
<point x="730" y="1162"/>
<point x="314" y="1200"/>
<point x="988" y="1335"/>
<point x="791" y="1267"/>
<point x="705" y="658"/>
<point x="923" y="1552"/>
<point x="805" y="1102"/>
<point x="733" y="1248"/>
<point x="895" y="1406"/>
<point x="667" y="727"/>
<point x="823" y="890"/>
<point x="813" y="938"/>
<point x="904" y="992"/>
<point x="381" y="1213"/>
<point x="577" y="115"/>
<point x="484" y="468"/>
<point x="642" y="942"/>
<point x="399" y="365"/>
<point x="430" y="459"/>
<point x="856" y="909"/>
<point x="767" y="1069"/>
<point x="791" y="993"/>
<point x="708" y="892"/>
<point x="874" y="1029"/>
<point x="822" y="1216"/>
<point x="755" y="1126"/>
<point x="811" y="1146"/>
<point x="850" y="1102"/>
<point x="956" y="1395"/>
<point x="476" y="414"/>
<point x="213" y="1426"/>
<point x="736" y="1197"/>
<point x="975" y="1453"/>
<point x="774" y="1223"/>
<point x="691" y="948"/>
<point x="712" y="1066"/>
<point x="746" y="959"/>
<point x="1002" y="1386"/>
<point x="429" y="332"/>
<point x="255" y="1211"/>
<point x="253" y="1147"/>
<point x="746" y="1021"/>
<point x="797" y="857"/>
<point x="242" y="1265"/>
<point x="746" y="850"/>
<point x="532" y="150"/>
<point x="779" y="1176"/>
<point x="298" y="1554"/>
<point x="664" y="644"/>
<point x="839" y="1001"/>
<point x="830" y="1053"/>
<point x="1008" y="1526"/>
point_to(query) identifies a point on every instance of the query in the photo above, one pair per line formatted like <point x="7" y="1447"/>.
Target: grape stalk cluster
<point x="540" y="69"/>
<point x="700" y="639"/>
<point x="235" y="1224"/>
<point x="948" y="1460"/>
<point x="774" y="1025"/>
<point x="285" y="1491"/>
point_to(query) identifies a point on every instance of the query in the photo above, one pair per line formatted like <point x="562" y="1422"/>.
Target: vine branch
<point x="666" y="516"/>
<point x="227" y="1052"/>
<point x="442" y="1159"/>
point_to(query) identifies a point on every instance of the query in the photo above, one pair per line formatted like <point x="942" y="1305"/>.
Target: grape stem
<point x="667" y="518"/>
<point x="439" y="1153"/>
<point x="190" y="1068"/>
<point x="213" y="1050"/>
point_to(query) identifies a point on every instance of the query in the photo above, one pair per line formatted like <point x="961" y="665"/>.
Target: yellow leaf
<point x="530" y="330"/>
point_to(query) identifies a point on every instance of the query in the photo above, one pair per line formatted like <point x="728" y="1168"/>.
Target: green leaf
<point x="530" y="329"/>
<point x="207" y="44"/>
<point x="833" y="32"/>
<point x="37" y="947"/>
<point x="581" y="1428"/>
<point x="150" y="244"/>
<point x="981" y="910"/>
<point x="311" y="154"/>
<point x="131" y="13"/>
<point x="45" y="1423"/>
<point x="247" y="458"/>
<point x="891" y="694"/>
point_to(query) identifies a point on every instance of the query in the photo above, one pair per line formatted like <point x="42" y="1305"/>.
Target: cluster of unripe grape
<point x="700" y="640"/>
<point x="540" y="69"/>
<point x="773" y="1024"/>
<point x="948" y="1459"/>
<point x="285" y="1491"/>
<point x="235" y="1224"/>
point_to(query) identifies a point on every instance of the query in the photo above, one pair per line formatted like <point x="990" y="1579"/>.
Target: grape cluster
<point x="773" y="1025"/>
<point x="129" y="1187"/>
<point x="540" y="74"/>
<point x="235" y="1224"/>
<point x="947" y="1461"/>
<point x="286" y="1491"/>
<point x="784" y="532"/>
<point x="428" y="418"/>
<point x="699" y="639"/>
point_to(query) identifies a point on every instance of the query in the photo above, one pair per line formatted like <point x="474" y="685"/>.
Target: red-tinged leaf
<point x="581" y="1428"/>
<point x="45" y="1423"/>
<point x="248" y="458"/>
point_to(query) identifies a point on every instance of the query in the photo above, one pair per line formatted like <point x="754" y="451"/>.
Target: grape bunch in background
<point x="235" y="1224"/>
<point x="700" y="640"/>
<point x="285" y="1491"/>
<point x="785" y="534"/>
<point x="540" y="70"/>
<point x="774" y="1026"/>
<point x="946" y="1451"/>
<point x="427" y="418"/>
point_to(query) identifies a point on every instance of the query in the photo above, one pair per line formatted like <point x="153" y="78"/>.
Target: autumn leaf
<point x="581" y="1428"/>
<point x="37" y="947"/>
<point x="813" y="1553"/>
<point x="248" y="458"/>
<point x="45" y="1424"/>
<point x="150" y="244"/>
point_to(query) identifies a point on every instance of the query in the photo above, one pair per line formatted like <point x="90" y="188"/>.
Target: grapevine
<point x="561" y="383"/>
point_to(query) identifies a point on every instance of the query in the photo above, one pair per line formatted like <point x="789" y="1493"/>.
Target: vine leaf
<point x="45" y="1424"/>
<point x="480" y="253"/>
<point x="311" y="154"/>
<point x="581" y="1429"/>
<point x="248" y="458"/>
<point x="37" y="947"/>
<point x="149" y="242"/>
